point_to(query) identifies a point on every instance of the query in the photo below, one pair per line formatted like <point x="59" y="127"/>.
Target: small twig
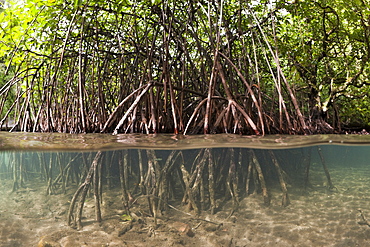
<point x="364" y="220"/>
<point x="169" y="205"/>
<point x="196" y="227"/>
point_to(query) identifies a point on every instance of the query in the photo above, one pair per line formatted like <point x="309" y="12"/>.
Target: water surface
<point x="59" y="141"/>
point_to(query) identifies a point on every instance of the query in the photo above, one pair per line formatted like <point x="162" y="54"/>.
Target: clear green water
<point x="273" y="190"/>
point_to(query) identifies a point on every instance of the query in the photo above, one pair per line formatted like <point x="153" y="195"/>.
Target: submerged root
<point x="261" y="178"/>
<point x="75" y="221"/>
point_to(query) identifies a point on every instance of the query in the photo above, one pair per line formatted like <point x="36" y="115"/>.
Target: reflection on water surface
<point x="70" y="142"/>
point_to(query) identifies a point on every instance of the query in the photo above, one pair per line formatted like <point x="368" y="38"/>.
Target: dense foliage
<point x="250" y="67"/>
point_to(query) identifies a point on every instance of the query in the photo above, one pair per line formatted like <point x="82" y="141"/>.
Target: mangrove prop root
<point x="211" y="181"/>
<point x="307" y="164"/>
<point x="188" y="190"/>
<point x="15" y="165"/>
<point x="141" y="172"/>
<point x="261" y="178"/>
<point x="126" y="171"/>
<point x="64" y="174"/>
<point x="232" y="184"/>
<point x="81" y="193"/>
<point x="164" y="180"/>
<point x="150" y="182"/>
<point x="202" y="195"/>
<point x="198" y="179"/>
<point x="249" y="176"/>
<point x="285" y="200"/>
<point x="125" y="196"/>
<point x="97" y="190"/>
<point x="330" y="184"/>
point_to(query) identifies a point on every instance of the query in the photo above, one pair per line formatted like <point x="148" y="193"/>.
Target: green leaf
<point x="126" y="217"/>
<point x="77" y="3"/>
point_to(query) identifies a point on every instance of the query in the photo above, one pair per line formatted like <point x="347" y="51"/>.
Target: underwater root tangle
<point x="200" y="180"/>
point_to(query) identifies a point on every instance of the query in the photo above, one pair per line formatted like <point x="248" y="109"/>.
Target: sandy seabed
<point x="318" y="218"/>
